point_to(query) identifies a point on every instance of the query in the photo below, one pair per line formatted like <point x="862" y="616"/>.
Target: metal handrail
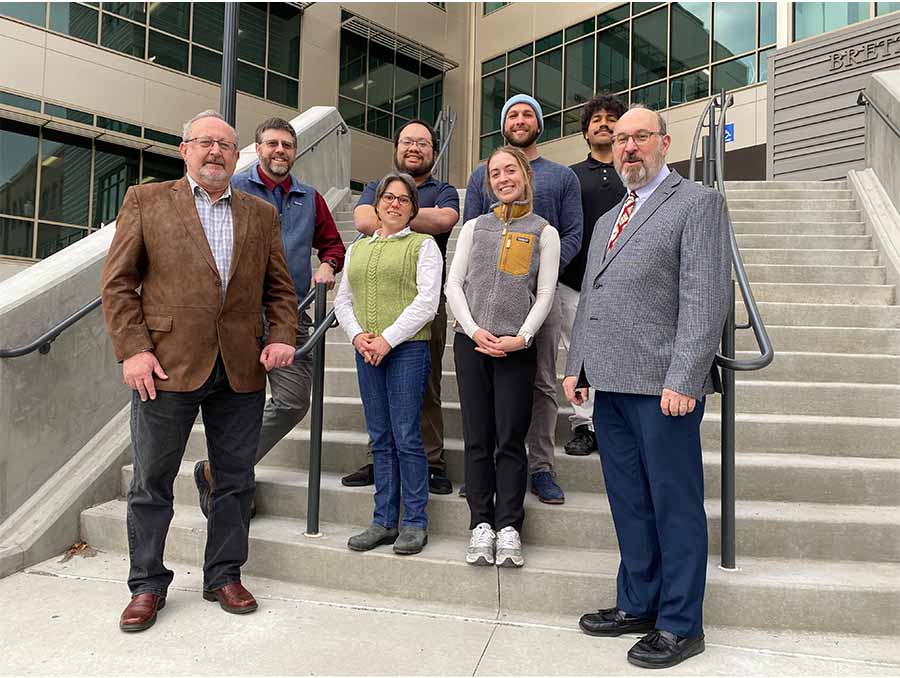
<point x="43" y="342"/>
<point x="447" y="119"/>
<point x="863" y="100"/>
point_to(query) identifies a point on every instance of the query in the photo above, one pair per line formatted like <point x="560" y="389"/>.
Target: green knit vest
<point x="383" y="279"/>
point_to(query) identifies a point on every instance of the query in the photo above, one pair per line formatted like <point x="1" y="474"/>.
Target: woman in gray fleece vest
<point x="500" y="288"/>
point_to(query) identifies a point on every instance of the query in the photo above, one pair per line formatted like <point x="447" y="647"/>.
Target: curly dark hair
<point x="607" y="102"/>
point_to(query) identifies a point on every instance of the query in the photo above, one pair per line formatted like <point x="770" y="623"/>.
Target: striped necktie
<point x="627" y="209"/>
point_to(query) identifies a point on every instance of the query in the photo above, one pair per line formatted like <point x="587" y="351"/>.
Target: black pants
<point x="495" y="395"/>
<point x="159" y="434"/>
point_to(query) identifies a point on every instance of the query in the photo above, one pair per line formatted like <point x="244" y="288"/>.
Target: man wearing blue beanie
<point x="557" y="198"/>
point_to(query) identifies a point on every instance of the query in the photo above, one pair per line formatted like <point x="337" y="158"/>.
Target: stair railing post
<point x="316" y="420"/>
<point x="227" y="95"/>
<point x="728" y="438"/>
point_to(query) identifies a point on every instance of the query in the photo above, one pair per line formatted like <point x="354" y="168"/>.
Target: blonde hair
<point x="524" y="166"/>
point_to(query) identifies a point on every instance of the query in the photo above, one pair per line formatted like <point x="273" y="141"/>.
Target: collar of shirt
<point x="646" y="191"/>
<point x="593" y="163"/>
<point x="398" y="234"/>
<point x="284" y="183"/>
<point x="194" y="186"/>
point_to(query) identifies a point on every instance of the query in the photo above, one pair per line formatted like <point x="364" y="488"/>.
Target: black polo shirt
<point x="601" y="191"/>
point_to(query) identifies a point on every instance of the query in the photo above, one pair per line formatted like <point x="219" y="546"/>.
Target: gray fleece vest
<point x="501" y="281"/>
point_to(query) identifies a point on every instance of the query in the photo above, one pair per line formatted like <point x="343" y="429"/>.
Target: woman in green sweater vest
<point x="500" y="288"/>
<point x="386" y="301"/>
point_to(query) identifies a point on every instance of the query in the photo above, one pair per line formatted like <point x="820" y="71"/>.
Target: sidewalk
<point x="61" y="619"/>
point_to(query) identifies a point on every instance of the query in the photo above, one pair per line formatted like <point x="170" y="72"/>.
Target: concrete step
<point x="781" y="226"/>
<point x="789" y="194"/>
<point x="824" y="314"/>
<point x="813" y="216"/>
<point x="823" y="293"/>
<point x="787" y="185"/>
<point x="758" y="477"/>
<point x="796" y="257"/>
<point x="803" y="241"/>
<point x="765" y="593"/>
<point x="805" y="274"/>
<point x="770" y="203"/>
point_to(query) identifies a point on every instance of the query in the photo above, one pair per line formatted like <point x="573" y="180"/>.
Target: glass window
<point x="552" y="127"/>
<point x="29" y="12"/>
<point x="431" y="94"/>
<point x="250" y="79"/>
<point x="352" y="74"/>
<point x="381" y="75"/>
<point x="493" y="96"/>
<point x="583" y="28"/>
<point x="282" y="90"/>
<point x="16" y="237"/>
<point x="689" y="44"/>
<point x="612" y="16"/>
<point x="520" y="78"/>
<point x="882" y="8"/>
<point x="767" y="31"/>
<point x="353" y="113"/>
<point x="129" y="10"/>
<point x="284" y="39"/>
<point x="652" y="96"/>
<point x="161" y="168"/>
<point x="18" y="169"/>
<point x="731" y="28"/>
<point x="206" y="64"/>
<point x="252" y="32"/>
<point x="75" y="20"/>
<point x="123" y="36"/>
<point x="27" y="103"/>
<point x="572" y="122"/>
<point x="689" y="87"/>
<point x="52" y="238"/>
<point x="118" y="126"/>
<point x="493" y="64"/>
<point x="644" y="6"/>
<point x="69" y="113"/>
<point x="162" y="137"/>
<point x="379" y="123"/>
<point x="548" y="42"/>
<point x="548" y="81"/>
<point x="579" y="71"/>
<point x="650" y="38"/>
<point x="65" y="177"/>
<point x="171" y="17"/>
<point x="493" y="6"/>
<point x="168" y="52"/>
<point x="520" y="53"/>
<point x="612" y="59"/>
<point x="735" y="73"/>
<point x="115" y="169"/>
<point x="489" y="143"/>
<point x="406" y="87"/>
<point x="764" y="64"/>
<point x="812" y="18"/>
<point x="209" y="23"/>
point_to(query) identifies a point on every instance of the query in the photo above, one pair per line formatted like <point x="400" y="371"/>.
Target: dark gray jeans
<point x="159" y="433"/>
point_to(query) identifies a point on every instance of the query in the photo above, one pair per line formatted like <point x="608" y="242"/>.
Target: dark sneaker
<point x="204" y="486"/>
<point x="438" y="482"/>
<point x="583" y="442"/>
<point x="545" y="487"/>
<point x="411" y="540"/>
<point x="661" y="649"/>
<point x="364" y="475"/>
<point x="462" y="490"/>
<point x="374" y="535"/>
<point x="614" y="622"/>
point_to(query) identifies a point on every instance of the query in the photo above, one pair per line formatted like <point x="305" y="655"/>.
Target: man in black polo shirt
<point x="415" y="148"/>
<point x="601" y="191"/>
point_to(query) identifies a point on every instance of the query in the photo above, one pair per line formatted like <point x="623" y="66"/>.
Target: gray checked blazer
<point x="651" y="313"/>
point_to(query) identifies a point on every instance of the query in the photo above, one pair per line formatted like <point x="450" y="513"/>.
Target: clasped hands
<point x="496" y="347"/>
<point x="371" y="348"/>
<point x="672" y="403"/>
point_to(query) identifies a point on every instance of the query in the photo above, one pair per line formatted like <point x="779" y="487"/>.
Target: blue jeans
<point x="392" y="396"/>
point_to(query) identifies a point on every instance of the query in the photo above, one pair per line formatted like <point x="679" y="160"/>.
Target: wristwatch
<point x="529" y="338"/>
<point x="331" y="263"/>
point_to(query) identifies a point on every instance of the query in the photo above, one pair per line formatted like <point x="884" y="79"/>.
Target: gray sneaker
<point x="375" y="535"/>
<point x="411" y="540"/>
<point x="509" y="548"/>
<point x="481" y="545"/>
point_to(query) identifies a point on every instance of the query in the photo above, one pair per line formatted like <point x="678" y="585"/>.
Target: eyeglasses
<point x="388" y="198"/>
<point x="275" y="143"/>
<point x="206" y="143"/>
<point x="640" y="137"/>
<point x="421" y="144"/>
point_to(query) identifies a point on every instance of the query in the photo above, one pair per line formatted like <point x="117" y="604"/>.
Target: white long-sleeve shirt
<point x="546" y="282"/>
<point x="421" y="310"/>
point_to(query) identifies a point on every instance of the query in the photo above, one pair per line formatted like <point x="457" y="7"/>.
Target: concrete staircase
<point x="818" y="467"/>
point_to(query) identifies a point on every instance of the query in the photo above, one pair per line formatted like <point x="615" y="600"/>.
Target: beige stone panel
<point x="168" y="108"/>
<point x="746" y="123"/>
<point x="22" y="33"/>
<point x="252" y="111"/>
<point x="371" y="156"/>
<point x="426" y="24"/>
<point x="566" y="151"/>
<point x="25" y="74"/>
<point x="318" y="72"/>
<point x="762" y="122"/>
<point x="681" y="133"/>
<point x="319" y="25"/>
<point x="383" y="13"/>
<point x="458" y="30"/>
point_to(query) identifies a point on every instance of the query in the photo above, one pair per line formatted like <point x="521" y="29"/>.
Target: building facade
<point x="93" y="95"/>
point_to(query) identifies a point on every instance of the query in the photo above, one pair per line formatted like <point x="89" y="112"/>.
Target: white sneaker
<point x="481" y="545"/>
<point x="509" y="548"/>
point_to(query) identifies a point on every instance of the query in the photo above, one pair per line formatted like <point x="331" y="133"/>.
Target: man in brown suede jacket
<point x="207" y="259"/>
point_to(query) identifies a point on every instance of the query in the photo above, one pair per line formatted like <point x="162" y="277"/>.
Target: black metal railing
<point x="713" y="170"/>
<point x="444" y="127"/>
<point x="863" y="100"/>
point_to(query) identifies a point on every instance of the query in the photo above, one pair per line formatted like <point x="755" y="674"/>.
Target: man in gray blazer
<point x="651" y="313"/>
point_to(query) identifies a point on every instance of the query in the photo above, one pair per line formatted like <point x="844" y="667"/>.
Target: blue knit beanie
<point x="523" y="99"/>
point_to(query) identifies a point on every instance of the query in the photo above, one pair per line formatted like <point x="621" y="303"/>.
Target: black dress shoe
<point x="661" y="649"/>
<point x="614" y="622"/>
<point x="583" y="442"/>
<point x="365" y="475"/>
<point x="438" y="482"/>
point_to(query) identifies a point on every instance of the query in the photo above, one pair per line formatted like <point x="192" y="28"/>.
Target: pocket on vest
<point x="515" y="255"/>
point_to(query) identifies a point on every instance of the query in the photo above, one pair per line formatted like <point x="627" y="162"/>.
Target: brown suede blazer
<point x="160" y="246"/>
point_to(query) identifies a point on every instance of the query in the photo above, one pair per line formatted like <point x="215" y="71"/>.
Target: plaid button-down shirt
<point x="218" y="225"/>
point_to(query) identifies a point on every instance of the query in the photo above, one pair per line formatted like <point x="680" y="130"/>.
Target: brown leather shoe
<point x="233" y="598"/>
<point x="140" y="613"/>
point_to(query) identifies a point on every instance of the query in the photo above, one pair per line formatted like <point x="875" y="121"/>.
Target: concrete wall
<point x="815" y="128"/>
<point x="882" y="143"/>
<point x="9" y="267"/>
